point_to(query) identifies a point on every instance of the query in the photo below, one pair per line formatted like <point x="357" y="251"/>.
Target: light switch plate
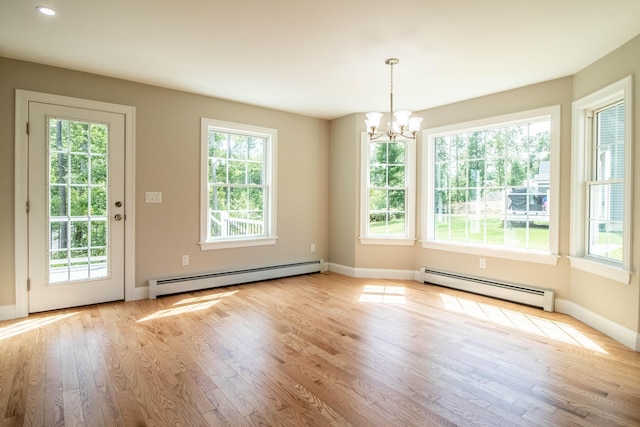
<point x="153" y="197"/>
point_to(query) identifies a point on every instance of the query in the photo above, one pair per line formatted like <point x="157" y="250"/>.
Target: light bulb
<point x="46" y="10"/>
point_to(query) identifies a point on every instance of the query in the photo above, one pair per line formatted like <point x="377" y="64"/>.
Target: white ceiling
<point x="322" y="58"/>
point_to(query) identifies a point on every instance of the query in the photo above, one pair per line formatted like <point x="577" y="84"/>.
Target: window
<point x="238" y="185"/>
<point x="601" y="182"/>
<point x="387" y="191"/>
<point x="491" y="186"/>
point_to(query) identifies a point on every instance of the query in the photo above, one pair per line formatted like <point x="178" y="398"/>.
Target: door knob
<point x="118" y="217"/>
<point x="118" y="204"/>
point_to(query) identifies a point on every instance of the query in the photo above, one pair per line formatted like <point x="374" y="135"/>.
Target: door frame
<point x="23" y="97"/>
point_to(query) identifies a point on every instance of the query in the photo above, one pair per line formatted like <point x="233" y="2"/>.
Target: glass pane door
<point x="78" y="222"/>
<point x="77" y="212"/>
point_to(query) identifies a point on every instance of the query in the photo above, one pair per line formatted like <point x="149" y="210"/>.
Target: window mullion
<point x="606" y="181"/>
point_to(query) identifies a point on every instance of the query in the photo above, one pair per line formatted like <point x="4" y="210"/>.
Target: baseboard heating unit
<point x="235" y="277"/>
<point x="536" y="297"/>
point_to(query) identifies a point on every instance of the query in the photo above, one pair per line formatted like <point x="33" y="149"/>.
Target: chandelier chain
<point x="391" y="85"/>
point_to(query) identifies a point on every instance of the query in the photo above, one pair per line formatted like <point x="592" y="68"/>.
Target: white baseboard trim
<point x="378" y="273"/>
<point x="341" y="269"/>
<point x="374" y="273"/>
<point x="7" y="312"/>
<point x="608" y="327"/>
<point x="141" y="292"/>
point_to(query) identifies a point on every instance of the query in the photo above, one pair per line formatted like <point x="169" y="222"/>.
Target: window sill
<point x="240" y="243"/>
<point x="488" y="251"/>
<point x="388" y="241"/>
<point x="617" y="274"/>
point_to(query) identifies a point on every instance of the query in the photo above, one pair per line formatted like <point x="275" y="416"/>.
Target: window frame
<point x="582" y="146"/>
<point x="271" y="135"/>
<point x="429" y="136"/>
<point x="410" y="199"/>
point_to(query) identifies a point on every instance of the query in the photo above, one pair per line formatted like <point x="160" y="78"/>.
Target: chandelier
<point x="402" y="124"/>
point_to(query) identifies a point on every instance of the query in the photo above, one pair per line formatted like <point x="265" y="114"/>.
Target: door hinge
<point x="27" y="128"/>
<point x="28" y="207"/>
<point x="28" y="284"/>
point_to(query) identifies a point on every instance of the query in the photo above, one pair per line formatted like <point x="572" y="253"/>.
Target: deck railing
<point x="227" y="226"/>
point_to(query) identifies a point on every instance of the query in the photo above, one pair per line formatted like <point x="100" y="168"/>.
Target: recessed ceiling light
<point x="46" y="10"/>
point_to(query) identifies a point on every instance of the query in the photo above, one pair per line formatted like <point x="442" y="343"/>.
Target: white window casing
<point x="367" y="237"/>
<point x="582" y="178"/>
<point x="268" y="233"/>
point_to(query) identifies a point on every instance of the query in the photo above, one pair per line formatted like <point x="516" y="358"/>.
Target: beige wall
<point x="168" y="160"/>
<point x="343" y="190"/>
<point x="613" y="300"/>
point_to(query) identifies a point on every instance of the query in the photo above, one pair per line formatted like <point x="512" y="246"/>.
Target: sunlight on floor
<point x="30" y="325"/>
<point x="523" y="322"/>
<point x="383" y="294"/>
<point x="189" y="305"/>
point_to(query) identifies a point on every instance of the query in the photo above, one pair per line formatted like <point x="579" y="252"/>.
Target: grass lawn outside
<point x="394" y="227"/>
<point x="463" y="229"/>
<point x="494" y="232"/>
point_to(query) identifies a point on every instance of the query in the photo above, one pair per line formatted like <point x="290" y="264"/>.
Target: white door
<point x="76" y="206"/>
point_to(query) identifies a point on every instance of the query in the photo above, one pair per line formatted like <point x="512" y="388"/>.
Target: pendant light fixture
<point x="401" y="124"/>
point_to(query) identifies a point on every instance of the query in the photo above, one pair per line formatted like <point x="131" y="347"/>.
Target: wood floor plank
<point x="227" y="386"/>
<point x="54" y="399"/>
<point x="69" y="369"/>
<point x="15" y="380"/>
<point x="353" y="410"/>
<point x="225" y="408"/>
<point x="190" y="388"/>
<point x="91" y="406"/>
<point x="130" y="410"/>
<point x="269" y="382"/>
<point x="72" y="408"/>
<point x="324" y="411"/>
<point x="137" y="384"/>
<point x="36" y="388"/>
<point x="106" y="390"/>
<point x="314" y="350"/>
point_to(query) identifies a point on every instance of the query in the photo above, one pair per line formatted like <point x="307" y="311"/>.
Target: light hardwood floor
<point x="315" y="350"/>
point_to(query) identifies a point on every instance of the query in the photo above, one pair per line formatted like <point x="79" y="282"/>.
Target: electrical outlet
<point x="185" y="259"/>
<point x="313" y="247"/>
<point x="483" y="263"/>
